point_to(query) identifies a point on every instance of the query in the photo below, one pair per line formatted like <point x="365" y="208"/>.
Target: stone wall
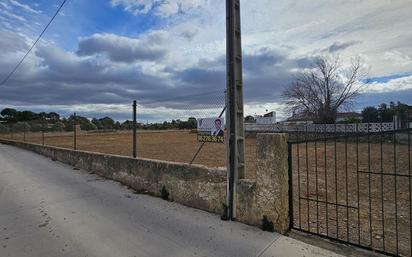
<point x="269" y="194"/>
<point x="194" y="185"/>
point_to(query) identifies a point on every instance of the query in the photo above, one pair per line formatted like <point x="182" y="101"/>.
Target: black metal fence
<point x="354" y="187"/>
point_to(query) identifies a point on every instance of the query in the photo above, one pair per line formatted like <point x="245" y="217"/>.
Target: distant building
<point x="304" y="118"/>
<point x="300" y="118"/>
<point x="268" y="118"/>
<point x="345" y="116"/>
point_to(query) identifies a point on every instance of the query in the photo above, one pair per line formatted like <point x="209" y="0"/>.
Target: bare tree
<point x="322" y="91"/>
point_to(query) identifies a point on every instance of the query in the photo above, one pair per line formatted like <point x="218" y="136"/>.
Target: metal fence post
<point x="24" y="132"/>
<point x="74" y="132"/>
<point x="42" y="135"/>
<point x="290" y="180"/>
<point x="134" y="129"/>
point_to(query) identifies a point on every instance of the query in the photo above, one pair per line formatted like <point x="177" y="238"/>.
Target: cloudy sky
<point x="170" y="54"/>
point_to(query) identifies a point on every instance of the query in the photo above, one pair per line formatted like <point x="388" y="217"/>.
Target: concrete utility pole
<point x="234" y="115"/>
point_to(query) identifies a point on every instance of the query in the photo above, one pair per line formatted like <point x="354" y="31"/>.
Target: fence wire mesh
<point x="166" y="130"/>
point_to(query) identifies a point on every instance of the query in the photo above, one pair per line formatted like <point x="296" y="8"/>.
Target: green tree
<point x="386" y="113"/>
<point x="370" y="114"/>
<point x="97" y="123"/>
<point x="9" y="115"/>
<point x="85" y="124"/>
<point x="402" y="111"/>
<point x="250" y="119"/>
<point x="52" y="116"/>
<point x="27" y="116"/>
<point x="127" y="125"/>
<point x="192" y="123"/>
<point x="107" y="123"/>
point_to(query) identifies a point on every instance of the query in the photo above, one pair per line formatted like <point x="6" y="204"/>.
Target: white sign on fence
<point x="211" y="130"/>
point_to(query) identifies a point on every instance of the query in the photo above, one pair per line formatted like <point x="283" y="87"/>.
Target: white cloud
<point x="25" y="7"/>
<point x="136" y="7"/>
<point x="9" y="14"/>
<point x="149" y="47"/>
<point x="161" y="8"/>
<point x="5" y="5"/>
<point x="394" y="85"/>
<point x="398" y="58"/>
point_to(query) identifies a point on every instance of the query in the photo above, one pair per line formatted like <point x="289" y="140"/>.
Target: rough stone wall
<point x="269" y="194"/>
<point x="272" y="183"/>
<point x="193" y="185"/>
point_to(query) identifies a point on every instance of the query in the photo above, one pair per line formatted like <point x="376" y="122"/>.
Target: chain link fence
<point x="166" y="130"/>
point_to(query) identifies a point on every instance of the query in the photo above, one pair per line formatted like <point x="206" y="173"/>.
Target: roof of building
<point x="270" y="114"/>
<point x="348" y="114"/>
<point x="300" y="117"/>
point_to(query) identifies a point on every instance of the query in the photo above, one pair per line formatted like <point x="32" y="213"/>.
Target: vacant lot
<point x="177" y="146"/>
<point x="359" y="193"/>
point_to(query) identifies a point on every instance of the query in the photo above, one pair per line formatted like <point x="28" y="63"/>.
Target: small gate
<point x="354" y="188"/>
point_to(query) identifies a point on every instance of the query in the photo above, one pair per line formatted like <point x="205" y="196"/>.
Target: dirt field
<point x="177" y="146"/>
<point x="379" y="204"/>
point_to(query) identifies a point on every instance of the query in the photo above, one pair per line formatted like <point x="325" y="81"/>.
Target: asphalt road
<point x="50" y="209"/>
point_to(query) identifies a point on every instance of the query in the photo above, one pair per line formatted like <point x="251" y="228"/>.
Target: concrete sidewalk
<point x="49" y="209"/>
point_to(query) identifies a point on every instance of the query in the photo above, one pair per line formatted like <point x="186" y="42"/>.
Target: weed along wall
<point x="193" y="185"/>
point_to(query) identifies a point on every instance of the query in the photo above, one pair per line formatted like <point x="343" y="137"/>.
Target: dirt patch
<point x="357" y="193"/>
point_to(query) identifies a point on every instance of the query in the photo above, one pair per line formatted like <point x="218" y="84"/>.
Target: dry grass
<point x="176" y="146"/>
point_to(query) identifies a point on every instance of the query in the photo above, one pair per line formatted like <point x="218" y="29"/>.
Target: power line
<point x="34" y="44"/>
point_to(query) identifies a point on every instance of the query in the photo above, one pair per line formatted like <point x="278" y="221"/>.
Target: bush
<point x="58" y="126"/>
<point x="225" y="214"/>
<point x="267" y="225"/>
<point x="4" y="129"/>
<point x="164" y="193"/>
<point x="37" y="127"/>
<point x="21" y="127"/>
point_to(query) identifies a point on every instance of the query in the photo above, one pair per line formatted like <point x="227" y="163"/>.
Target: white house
<point x="268" y="118"/>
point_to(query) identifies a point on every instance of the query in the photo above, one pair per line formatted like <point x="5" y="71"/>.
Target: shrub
<point x="3" y="129"/>
<point x="164" y="193"/>
<point x="58" y="126"/>
<point x="267" y="225"/>
<point x="21" y="127"/>
<point x="225" y="214"/>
